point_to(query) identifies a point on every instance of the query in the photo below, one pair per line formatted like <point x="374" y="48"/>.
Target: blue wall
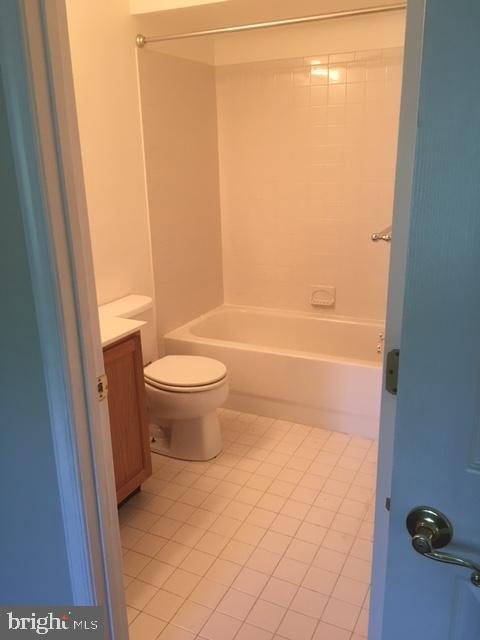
<point x="33" y="564"/>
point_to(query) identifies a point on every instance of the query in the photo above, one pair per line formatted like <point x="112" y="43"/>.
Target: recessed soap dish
<point x="322" y="296"/>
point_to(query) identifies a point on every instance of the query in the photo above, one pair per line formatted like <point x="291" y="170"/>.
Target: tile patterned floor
<point x="270" y="541"/>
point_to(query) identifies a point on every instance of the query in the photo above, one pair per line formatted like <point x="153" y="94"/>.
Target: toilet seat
<point x="185" y="374"/>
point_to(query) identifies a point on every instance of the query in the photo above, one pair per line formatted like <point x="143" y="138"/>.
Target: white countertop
<point x="113" y="329"/>
<point x="115" y="322"/>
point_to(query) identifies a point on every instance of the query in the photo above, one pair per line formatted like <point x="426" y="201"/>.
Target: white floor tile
<point x="264" y="561"/>
<point x="236" y="604"/>
<point x="202" y="518"/>
<point x="164" y="605"/>
<point x="282" y="488"/>
<point x="237" y="551"/>
<point x="134" y="562"/>
<point x="266" y="615"/>
<point x="237" y="510"/>
<point x="337" y="541"/>
<point x="145" y="627"/>
<point x="249" y="632"/>
<point x="290" y="475"/>
<point x="301" y="551"/>
<point x="295" y="509"/>
<point x="286" y="525"/>
<point x="261" y="483"/>
<point x="357" y="569"/>
<point x="346" y="524"/>
<point x="180" y="511"/>
<point x="304" y="494"/>
<point x="156" y="573"/>
<point x="311" y="533"/>
<point x="208" y="593"/>
<point x="361" y="549"/>
<point x="188" y="535"/>
<point x="138" y="593"/>
<point x="226" y="489"/>
<point x="276" y="542"/>
<point x="320" y="580"/>
<point x="250" y="581"/>
<point x="223" y="571"/>
<point x="261" y="517"/>
<point x="326" y="631"/>
<point x="181" y="583"/>
<point x="350" y="591"/>
<point x="248" y="495"/>
<point x="173" y="553"/>
<point x="165" y="527"/>
<point x="225" y="525"/>
<point x="197" y="562"/>
<point x="328" y="502"/>
<point x="249" y="533"/>
<point x="279" y="592"/>
<point x="309" y="602"/>
<point x="320" y="516"/>
<point x="140" y="519"/>
<point x="131" y="614"/>
<point x="341" y="614"/>
<point x="215" y="503"/>
<point x="329" y="559"/>
<point x="296" y="626"/>
<point x="220" y="627"/>
<point x="291" y="570"/>
<point x="361" y="628"/>
<point x="130" y="536"/>
<point x="171" y="632"/>
<point x="212" y="543"/>
<point x="259" y="544"/>
<point x="150" y="545"/>
<point x="191" y="616"/>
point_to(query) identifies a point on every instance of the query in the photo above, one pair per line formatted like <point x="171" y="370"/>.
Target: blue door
<point x="436" y="454"/>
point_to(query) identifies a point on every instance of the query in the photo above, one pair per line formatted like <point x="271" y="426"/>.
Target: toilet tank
<point x="136" y="307"/>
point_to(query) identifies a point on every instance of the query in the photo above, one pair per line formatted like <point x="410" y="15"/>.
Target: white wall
<point x="106" y="92"/>
<point x="181" y="151"/>
<point x="104" y="65"/>
<point x="343" y="35"/>
<point x="147" y="6"/>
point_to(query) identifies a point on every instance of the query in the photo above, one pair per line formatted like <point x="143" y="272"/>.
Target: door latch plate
<point x="391" y="371"/>
<point x="102" y="387"/>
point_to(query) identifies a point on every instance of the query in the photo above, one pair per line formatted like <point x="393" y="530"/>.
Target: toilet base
<point x="195" y="439"/>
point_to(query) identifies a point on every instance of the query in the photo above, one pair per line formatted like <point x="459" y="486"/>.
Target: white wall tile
<point x="307" y="159"/>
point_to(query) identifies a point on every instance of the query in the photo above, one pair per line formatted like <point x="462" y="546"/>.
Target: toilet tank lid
<point x="126" y="307"/>
<point x="185" y="371"/>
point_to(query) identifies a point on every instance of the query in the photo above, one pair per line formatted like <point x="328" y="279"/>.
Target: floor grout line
<point x="172" y="470"/>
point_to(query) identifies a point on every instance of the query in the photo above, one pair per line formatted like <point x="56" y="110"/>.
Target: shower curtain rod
<point x="142" y="40"/>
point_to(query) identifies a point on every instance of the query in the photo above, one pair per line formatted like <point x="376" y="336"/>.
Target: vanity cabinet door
<point x="128" y="414"/>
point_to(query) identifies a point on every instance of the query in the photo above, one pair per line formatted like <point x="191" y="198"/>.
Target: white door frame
<point x="61" y="264"/>
<point x="37" y="77"/>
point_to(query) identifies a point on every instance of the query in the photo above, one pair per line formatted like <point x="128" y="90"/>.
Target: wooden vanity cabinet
<point x="128" y="414"/>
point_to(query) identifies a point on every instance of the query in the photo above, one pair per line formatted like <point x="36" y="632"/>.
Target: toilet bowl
<point x="183" y="395"/>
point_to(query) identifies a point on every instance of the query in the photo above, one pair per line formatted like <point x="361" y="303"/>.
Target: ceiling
<point x="163" y="17"/>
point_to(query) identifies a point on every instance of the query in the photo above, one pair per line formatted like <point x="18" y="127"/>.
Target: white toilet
<point x="183" y="394"/>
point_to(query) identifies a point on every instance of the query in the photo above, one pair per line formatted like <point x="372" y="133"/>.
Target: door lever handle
<point x="431" y="530"/>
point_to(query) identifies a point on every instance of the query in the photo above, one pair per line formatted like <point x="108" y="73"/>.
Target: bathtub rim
<point x="185" y="333"/>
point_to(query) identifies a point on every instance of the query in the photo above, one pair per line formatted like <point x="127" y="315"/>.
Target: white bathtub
<point x="296" y="367"/>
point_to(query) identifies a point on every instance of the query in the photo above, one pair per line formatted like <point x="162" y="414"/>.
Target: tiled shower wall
<point x="307" y="153"/>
